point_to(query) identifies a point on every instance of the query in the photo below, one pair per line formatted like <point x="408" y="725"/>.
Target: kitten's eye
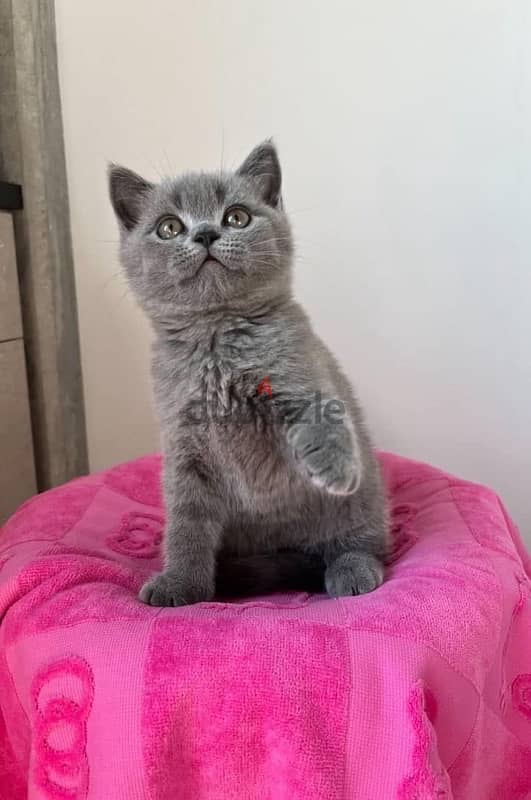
<point x="237" y="217"/>
<point x="169" y="228"/>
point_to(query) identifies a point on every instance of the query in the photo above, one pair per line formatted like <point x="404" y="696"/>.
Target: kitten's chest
<point x="224" y="386"/>
<point x="216" y="391"/>
<point x="225" y="375"/>
<point x="220" y="398"/>
<point x="234" y="398"/>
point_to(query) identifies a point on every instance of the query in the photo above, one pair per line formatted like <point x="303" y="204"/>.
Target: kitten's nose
<point x="206" y="236"/>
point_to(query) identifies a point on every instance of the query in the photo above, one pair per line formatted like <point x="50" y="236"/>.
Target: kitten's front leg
<point x="326" y="447"/>
<point x="193" y="530"/>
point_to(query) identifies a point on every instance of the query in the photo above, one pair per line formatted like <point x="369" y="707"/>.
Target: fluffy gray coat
<point x="270" y="480"/>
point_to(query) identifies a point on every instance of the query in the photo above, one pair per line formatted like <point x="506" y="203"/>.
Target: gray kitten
<point x="270" y="480"/>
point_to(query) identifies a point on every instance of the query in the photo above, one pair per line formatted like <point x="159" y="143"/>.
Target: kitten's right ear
<point x="263" y="168"/>
<point x="128" y="192"/>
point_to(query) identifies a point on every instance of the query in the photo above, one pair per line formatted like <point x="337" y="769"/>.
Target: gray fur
<point x="248" y="480"/>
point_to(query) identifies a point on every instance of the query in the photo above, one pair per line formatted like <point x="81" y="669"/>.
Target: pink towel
<point x="421" y="690"/>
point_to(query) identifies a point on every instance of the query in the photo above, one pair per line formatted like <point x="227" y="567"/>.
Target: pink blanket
<point x="421" y="690"/>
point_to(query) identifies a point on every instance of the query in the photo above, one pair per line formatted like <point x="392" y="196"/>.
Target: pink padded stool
<point x="421" y="690"/>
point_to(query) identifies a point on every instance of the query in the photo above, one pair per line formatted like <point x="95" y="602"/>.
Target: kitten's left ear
<point x="127" y="191"/>
<point x="263" y="168"/>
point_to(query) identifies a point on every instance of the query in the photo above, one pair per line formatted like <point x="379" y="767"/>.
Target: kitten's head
<point x="204" y="240"/>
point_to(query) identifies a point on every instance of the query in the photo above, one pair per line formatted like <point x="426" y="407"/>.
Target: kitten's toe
<point x="352" y="574"/>
<point x="162" y="590"/>
<point x="173" y="589"/>
<point x="169" y="589"/>
<point x="328" y="457"/>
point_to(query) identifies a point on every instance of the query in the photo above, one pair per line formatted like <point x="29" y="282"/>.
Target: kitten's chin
<point x="209" y="268"/>
<point x="214" y="262"/>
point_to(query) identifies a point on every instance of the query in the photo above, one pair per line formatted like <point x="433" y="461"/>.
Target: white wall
<point x="405" y="133"/>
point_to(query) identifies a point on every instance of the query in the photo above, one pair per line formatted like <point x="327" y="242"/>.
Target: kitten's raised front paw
<point x="168" y="589"/>
<point x="353" y="573"/>
<point x="327" y="453"/>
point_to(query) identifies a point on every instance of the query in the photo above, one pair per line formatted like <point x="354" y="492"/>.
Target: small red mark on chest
<point x="264" y="387"/>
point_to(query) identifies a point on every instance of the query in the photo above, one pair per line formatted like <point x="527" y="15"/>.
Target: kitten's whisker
<point x="222" y="151"/>
<point x="125" y="293"/>
<point x="252" y="253"/>
<point x="116" y="276"/>
<point x="261" y="261"/>
<point x="170" y="166"/>
<point x="254" y="256"/>
<point x="155" y="168"/>
<point x="275" y="240"/>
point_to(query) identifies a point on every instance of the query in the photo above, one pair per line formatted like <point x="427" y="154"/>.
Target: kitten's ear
<point x="263" y="168"/>
<point x="127" y="191"/>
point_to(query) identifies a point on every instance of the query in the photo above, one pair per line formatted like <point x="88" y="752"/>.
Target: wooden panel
<point x="32" y="155"/>
<point x="10" y="324"/>
<point x="17" y="474"/>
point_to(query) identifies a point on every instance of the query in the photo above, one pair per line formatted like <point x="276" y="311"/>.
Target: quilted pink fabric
<point x="421" y="690"/>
